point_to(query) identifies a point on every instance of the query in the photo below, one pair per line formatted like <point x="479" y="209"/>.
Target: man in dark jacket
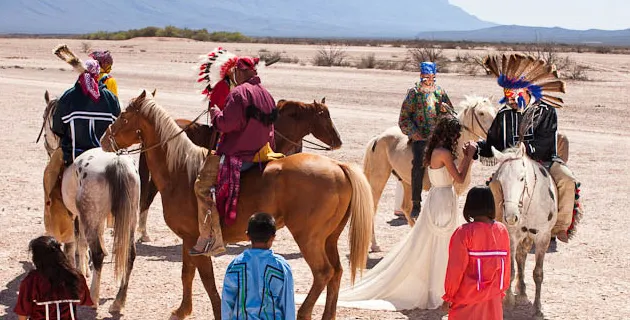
<point x="540" y="139"/>
<point x="83" y="114"/>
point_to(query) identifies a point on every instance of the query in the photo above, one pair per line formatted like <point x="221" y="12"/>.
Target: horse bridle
<point x="139" y="150"/>
<point x="319" y="146"/>
<point x="473" y="116"/>
<point x="525" y="190"/>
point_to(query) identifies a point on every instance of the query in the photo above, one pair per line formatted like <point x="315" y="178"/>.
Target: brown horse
<point x="312" y="195"/>
<point x="295" y="121"/>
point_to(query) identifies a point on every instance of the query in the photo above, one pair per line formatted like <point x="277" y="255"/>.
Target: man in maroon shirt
<point x="246" y="124"/>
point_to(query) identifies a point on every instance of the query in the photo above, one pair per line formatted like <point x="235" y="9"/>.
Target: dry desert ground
<point x="589" y="278"/>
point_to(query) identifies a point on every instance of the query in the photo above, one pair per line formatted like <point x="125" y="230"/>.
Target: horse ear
<point x="324" y="100"/>
<point x="47" y="97"/>
<point x="497" y="154"/>
<point x="154" y="92"/>
<point x="314" y="102"/>
<point x="143" y="95"/>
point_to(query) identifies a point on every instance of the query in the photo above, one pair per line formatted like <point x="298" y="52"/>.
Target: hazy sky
<point x="570" y="14"/>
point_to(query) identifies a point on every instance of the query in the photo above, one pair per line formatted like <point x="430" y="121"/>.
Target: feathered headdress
<point x="517" y="71"/>
<point x="215" y="66"/>
<point x="64" y="53"/>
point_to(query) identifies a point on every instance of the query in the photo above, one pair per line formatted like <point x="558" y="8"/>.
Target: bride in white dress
<point x="412" y="274"/>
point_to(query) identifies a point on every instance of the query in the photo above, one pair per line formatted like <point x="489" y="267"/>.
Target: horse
<point x="96" y="184"/>
<point x="295" y="121"/>
<point x="530" y="211"/>
<point x="312" y="195"/>
<point x="390" y="152"/>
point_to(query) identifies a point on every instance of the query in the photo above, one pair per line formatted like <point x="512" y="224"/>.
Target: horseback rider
<point x="246" y="124"/>
<point x="525" y="93"/>
<point x="424" y="104"/>
<point x="83" y="114"/>
<point x="106" y="61"/>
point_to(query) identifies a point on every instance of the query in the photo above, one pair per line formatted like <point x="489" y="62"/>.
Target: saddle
<point x="229" y="179"/>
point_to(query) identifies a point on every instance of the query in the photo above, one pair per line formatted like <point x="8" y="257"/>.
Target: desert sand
<point x="588" y="278"/>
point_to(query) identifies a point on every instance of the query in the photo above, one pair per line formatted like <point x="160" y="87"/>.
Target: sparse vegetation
<point x="418" y="55"/>
<point x="86" y="47"/>
<point x="367" y="62"/>
<point x="267" y="55"/>
<point x="171" y="32"/>
<point x="330" y="56"/>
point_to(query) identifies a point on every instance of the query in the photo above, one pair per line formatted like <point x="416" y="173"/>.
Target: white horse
<point x="96" y="184"/>
<point x="390" y="153"/>
<point x="530" y="211"/>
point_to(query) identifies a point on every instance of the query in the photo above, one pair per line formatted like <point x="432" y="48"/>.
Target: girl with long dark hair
<point x="54" y="288"/>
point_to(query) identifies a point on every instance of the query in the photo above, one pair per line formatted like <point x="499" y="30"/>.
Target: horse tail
<point x="361" y="218"/>
<point x="125" y="205"/>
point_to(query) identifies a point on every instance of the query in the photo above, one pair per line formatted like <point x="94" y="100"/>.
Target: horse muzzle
<point x="511" y="213"/>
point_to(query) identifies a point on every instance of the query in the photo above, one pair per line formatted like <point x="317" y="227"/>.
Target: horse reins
<point x="473" y="117"/>
<point x="157" y="145"/>
<point x="319" y="146"/>
<point x="526" y="190"/>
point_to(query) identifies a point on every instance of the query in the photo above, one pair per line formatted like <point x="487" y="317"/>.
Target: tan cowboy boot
<point x="565" y="184"/>
<point x="210" y="241"/>
<point x="57" y="219"/>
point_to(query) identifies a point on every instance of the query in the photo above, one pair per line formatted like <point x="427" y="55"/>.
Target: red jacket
<point x="478" y="263"/>
<point x="242" y="136"/>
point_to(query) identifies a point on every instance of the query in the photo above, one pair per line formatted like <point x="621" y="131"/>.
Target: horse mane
<point x="180" y="151"/>
<point x="299" y="106"/>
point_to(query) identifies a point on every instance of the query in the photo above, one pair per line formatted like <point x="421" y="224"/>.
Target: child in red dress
<point x="54" y="288"/>
<point x="478" y="271"/>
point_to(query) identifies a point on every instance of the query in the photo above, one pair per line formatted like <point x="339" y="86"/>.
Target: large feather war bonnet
<point x="518" y="71"/>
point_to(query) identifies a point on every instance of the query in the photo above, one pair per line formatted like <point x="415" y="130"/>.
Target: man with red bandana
<point x="246" y="125"/>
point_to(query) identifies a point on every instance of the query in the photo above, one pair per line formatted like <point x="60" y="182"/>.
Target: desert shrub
<point x="418" y="55"/>
<point x="329" y="56"/>
<point x="368" y="62"/>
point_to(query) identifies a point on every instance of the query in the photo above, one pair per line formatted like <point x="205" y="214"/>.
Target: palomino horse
<point x="530" y="211"/>
<point x="390" y="153"/>
<point x="312" y="195"/>
<point x="96" y="184"/>
<point x="295" y="121"/>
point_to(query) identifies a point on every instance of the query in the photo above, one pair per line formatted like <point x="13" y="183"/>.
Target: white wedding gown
<point x="412" y="274"/>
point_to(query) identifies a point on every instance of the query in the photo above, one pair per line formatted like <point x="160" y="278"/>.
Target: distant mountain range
<point x="406" y="19"/>
<point x="276" y="18"/>
<point x="533" y="34"/>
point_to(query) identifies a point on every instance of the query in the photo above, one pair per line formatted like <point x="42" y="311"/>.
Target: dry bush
<point x="329" y="56"/>
<point x="575" y="72"/>
<point x="368" y="62"/>
<point x="86" y="47"/>
<point x="418" y="55"/>
<point x="550" y="54"/>
<point x="266" y="55"/>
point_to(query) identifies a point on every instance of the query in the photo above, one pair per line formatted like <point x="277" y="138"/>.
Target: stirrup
<point x="209" y="249"/>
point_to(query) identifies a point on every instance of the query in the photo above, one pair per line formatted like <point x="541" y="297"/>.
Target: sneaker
<point x="207" y="247"/>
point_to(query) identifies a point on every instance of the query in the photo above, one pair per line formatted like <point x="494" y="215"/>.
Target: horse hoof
<point x="116" y="307"/>
<point x="375" y="249"/>
<point x="145" y="238"/>
<point x="508" y="301"/>
<point x="539" y="315"/>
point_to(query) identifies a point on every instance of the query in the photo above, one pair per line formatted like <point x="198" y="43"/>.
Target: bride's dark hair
<point x="445" y="135"/>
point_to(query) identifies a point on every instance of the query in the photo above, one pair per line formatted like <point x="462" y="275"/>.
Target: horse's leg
<point x="148" y="191"/>
<point x="509" y="295"/>
<point x="121" y="296"/>
<point x="70" y="249"/>
<point x="188" y="274"/>
<point x="377" y="170"/>
<point x="542" y="243"/>
<point x="101" y="232"/>
<point x="315" y="256"/>
<point x="407" y="205"/>
<point x="82" y="249"/>
<point x="97" y="254"/>
<point x="521" y="256"/>
<point x="206" y="273"/>
<point x="332" y="290"/>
